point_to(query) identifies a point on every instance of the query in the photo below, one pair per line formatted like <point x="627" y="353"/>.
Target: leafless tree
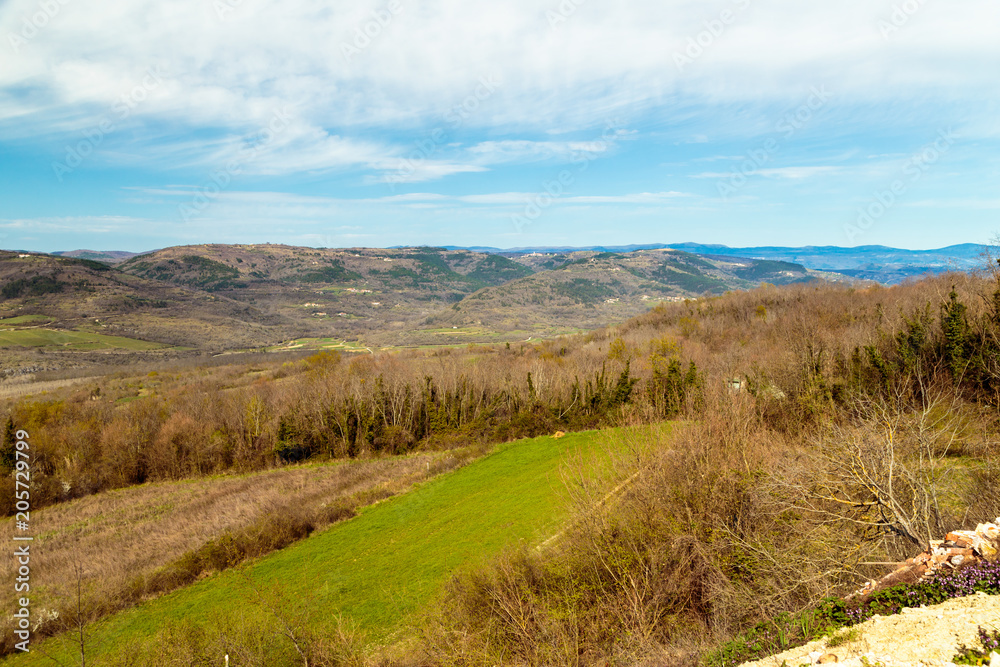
<point x="886" y="473"/>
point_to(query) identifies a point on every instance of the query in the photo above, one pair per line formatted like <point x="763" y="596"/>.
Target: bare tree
<point x="77" y="627"/>
<point x="886" y="473"/>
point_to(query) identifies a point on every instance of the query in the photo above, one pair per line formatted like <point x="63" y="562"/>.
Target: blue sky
<point x="136" y="125"/>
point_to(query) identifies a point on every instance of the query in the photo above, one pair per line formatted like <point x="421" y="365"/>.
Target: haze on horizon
<point x="139" y="125"/>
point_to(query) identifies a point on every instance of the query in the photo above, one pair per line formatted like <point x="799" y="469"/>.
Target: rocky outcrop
<point x="917" y="637"/>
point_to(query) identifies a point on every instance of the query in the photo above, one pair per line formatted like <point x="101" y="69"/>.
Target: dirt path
<point x="928" y="636"/>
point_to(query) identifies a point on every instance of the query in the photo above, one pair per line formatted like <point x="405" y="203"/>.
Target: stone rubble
<point x="962" y="547"/>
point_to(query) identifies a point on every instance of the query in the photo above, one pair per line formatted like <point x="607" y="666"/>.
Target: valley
<point x="213" y="299"/>
<point x="539" y="459"/>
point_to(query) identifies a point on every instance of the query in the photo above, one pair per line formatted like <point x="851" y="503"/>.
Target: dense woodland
<point x="820" y="427"/>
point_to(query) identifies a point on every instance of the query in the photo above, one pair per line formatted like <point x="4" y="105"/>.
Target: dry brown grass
<point x="141" y="541"/>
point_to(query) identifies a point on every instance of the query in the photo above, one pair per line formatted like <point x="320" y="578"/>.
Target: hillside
<point x="412" y="273"/>
<point x="231" y="297"/>
<point x="881" y="264"/>
<point x="214" y="298"/>
<point x="590" y="289"/>
<point x="795" y="410"/>
<point x="353" y="294"/>
<point x="238" y="297"/>
<point x="377" y="569"/>
<point x="105" y="256"/>
<point x="88" y="297"/>
<point x="436" y="296"/>
<point x="888" y="266"/>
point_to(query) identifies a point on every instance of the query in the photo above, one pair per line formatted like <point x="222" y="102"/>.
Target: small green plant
<point x="783" y="632"/>
<point x="844" y="637"/>
<point x="989" y="641"/>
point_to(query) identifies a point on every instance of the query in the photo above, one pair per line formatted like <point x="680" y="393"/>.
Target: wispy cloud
<point x="488" y="199"/>
<point x="95" y="224"/>
<point x="606" y="61"/>
<point x="798" y="173"/>
<point x="411" y="108"/>
<point x="957" y="203"/>
<point x="792" y="173"/>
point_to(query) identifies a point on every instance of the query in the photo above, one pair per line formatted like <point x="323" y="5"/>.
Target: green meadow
<point x="73" y="340"/>
<point x="319" y="344"/>
<point x="386" y="564"/>
<point x="25" y="319"/>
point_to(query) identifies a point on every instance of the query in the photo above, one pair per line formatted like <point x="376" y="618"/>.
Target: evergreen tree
<point x="7" y="447"/>
<point x="955" y="329"/>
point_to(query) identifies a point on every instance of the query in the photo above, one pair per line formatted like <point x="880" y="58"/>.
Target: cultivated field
<point x="73" y="340"/>
<point x="376" y="569"/>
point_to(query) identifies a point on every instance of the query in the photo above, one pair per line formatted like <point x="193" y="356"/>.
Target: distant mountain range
<point x="106" y="256"/>
<point x="879" y="263"/>
<point x="215" y="298"/>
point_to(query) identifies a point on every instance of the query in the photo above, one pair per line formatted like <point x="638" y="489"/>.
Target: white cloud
<point x="401" y="170"/>
<point x="285" y="200"/>
<point x="224" y="77"/>
<point x="94" y="224"/>
<point x="948" y="204"/>
<point x="493" y="152"/>
<point x="638" y="198"/>
<point x="793" y="173"/>
<point x="498" y="198"/>
<point x="797" y="173"/>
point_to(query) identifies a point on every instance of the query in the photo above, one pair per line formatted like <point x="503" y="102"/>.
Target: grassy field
<point x="25" y="319"/>
<point x="456" y="337"/>
<point x="319" y="344"/>
<point x="387" y="563"/>
<point x="169" y="521"/>
<point x="72" y="340"/>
